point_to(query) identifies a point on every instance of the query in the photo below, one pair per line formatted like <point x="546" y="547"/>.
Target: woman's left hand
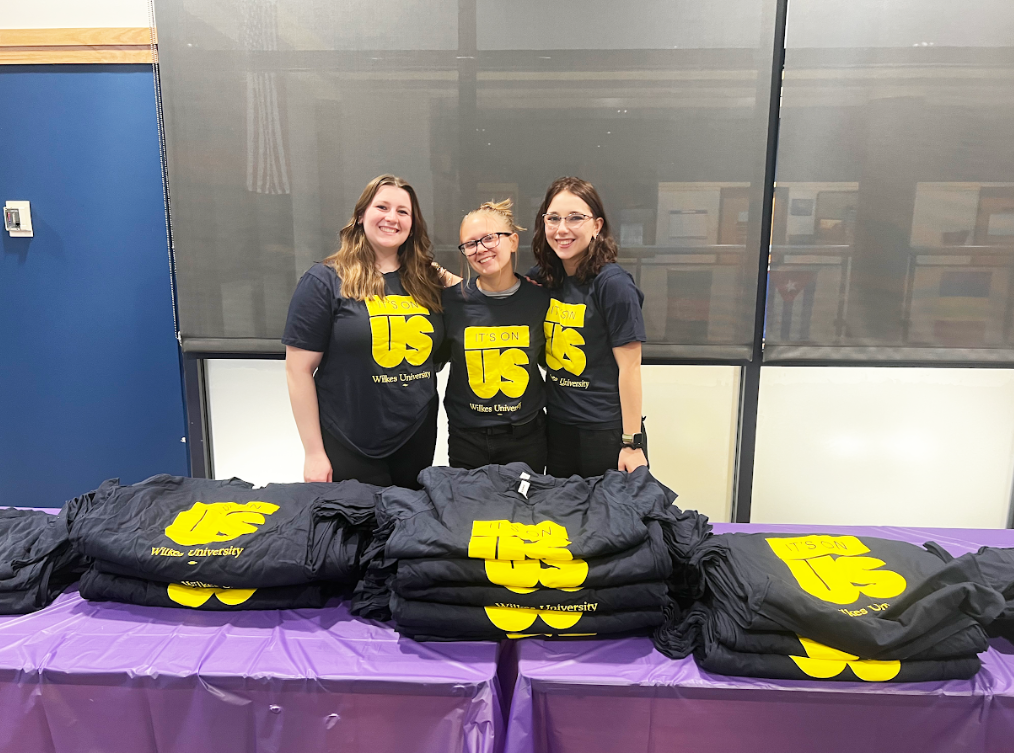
<point x="447" y="277"/>
<point x="631" y="459"/>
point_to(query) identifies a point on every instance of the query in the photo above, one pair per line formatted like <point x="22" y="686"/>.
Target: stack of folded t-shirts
<point x="503" y="552"/>
<point x="37" y="561"/>
<point x="997" y="568"/>
<point x="221" y="545"/>
<point x="837" y="607"/>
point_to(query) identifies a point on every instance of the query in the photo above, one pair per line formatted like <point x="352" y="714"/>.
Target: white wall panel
<point x="253" y="434"/>
<point x="691" y="421"/>
<point x="72" y="14"/>
<point x="884" y="446"/>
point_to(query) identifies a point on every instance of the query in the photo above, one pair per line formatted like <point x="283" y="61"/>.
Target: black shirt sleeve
<point x="311" y="313"/>
<point x="620" y="302"/>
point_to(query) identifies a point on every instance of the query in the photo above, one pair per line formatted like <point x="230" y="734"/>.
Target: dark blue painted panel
<point x="89" y="366"/>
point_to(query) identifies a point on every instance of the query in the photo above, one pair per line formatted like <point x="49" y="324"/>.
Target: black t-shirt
<point x="583" y="325"/>
<point x="872" y="597"/>
<point x="509" y="512"/>
<point x="424" y="620"/>
<point x="632" y="596"/>
<point x="376" y="378"/>
<point x="816" y="662"/>
<point x="36" y="560"/>
<point x="525" y="530"/>
<point x="495" y="348"/>
<point x="223" y="533"/>
<point x="647" y="562"/>
<point x="715" y="626"/>
<point x="99" y="586"/>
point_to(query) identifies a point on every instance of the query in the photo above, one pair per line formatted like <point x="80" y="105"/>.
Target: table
<point x="82" y="677"/>
<point x="605" y="696"/>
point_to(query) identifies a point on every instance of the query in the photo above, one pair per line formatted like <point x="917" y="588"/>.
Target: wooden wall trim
<point x="61" y="46"/>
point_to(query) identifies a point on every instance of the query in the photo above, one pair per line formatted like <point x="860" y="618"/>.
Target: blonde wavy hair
<point x="502" y="210"/>
<point x="356" y="264"/>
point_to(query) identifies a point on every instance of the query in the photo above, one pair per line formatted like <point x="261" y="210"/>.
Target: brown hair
<point x="601" y="251"/>
<point x="356" y="263"/>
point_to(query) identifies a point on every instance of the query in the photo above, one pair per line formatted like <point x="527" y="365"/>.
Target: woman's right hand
<point x="317" y="467"/>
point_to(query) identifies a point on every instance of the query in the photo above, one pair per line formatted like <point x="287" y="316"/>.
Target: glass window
<point x="278" y="112"/>
<point x="893" y="226"/>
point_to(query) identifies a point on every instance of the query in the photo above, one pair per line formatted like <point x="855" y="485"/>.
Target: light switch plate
<point x="19" y="222"/>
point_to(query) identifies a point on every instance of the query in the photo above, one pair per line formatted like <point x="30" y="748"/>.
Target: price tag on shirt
<point x="524" y="485"/>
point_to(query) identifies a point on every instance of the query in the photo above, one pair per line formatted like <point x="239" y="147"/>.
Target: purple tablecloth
<point x="83" y="677"/>
<point x="607" y="696"/>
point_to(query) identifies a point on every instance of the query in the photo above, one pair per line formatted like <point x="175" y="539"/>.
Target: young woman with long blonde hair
<point x="359" y="341"/>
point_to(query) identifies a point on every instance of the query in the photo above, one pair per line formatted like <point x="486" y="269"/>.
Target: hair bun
<point x="502" y="208"/>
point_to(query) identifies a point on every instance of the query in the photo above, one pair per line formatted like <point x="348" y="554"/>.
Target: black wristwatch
<point x="633" y="441"/>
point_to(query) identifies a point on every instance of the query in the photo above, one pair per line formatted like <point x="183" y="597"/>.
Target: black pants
<point x="400" y="468"/>
<point x="474" y="448"/>
<point x="574" y="450"/>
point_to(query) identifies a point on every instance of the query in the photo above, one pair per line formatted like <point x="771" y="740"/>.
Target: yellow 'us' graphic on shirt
<point x="518" y="619"/>
<point x="824" y="662"/>
<point x="525" y="557"/>
<point x="218" y="521"/>
<point x="495" y="362"/>
<point x="400" y="330"/>
<point x="562" y="338"/>
<point x="831" y="568"/>
<point x="193" y="596"/>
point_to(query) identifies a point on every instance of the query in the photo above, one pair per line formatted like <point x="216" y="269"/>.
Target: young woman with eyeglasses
<point x="594" y="329"/>
<point x="359" y="342"/>
<point x="495" y="396"/>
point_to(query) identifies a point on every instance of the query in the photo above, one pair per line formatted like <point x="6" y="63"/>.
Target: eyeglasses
<point x="491" y="241"/>
<point x="573" y="220"/>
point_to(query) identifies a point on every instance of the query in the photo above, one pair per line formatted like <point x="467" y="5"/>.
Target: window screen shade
<point x="893" y="229"/>
<point x="278" y="113"/>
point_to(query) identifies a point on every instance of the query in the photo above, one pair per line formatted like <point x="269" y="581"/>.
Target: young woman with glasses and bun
<point x="594" y="329"/>
<point x="360" y="336"/>
<point x="495" y="396"/>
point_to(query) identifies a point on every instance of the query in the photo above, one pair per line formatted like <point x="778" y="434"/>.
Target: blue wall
<point x="89" y="367"/>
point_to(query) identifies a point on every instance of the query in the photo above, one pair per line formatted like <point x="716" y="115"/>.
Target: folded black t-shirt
<point x="649" y="561"/>
<point x="99" y="586"/>
<point x="872" y="597"/>
<point x="420" y="618"/>
<point x="997" y="567"/>
<point x="509" y="512"/>
<point x="826" y="664"/>
<point x="37" y="561"/>
<point x="615" y="599"/>
<point x="172" y="529"/>
<point x="704" y="625"/>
